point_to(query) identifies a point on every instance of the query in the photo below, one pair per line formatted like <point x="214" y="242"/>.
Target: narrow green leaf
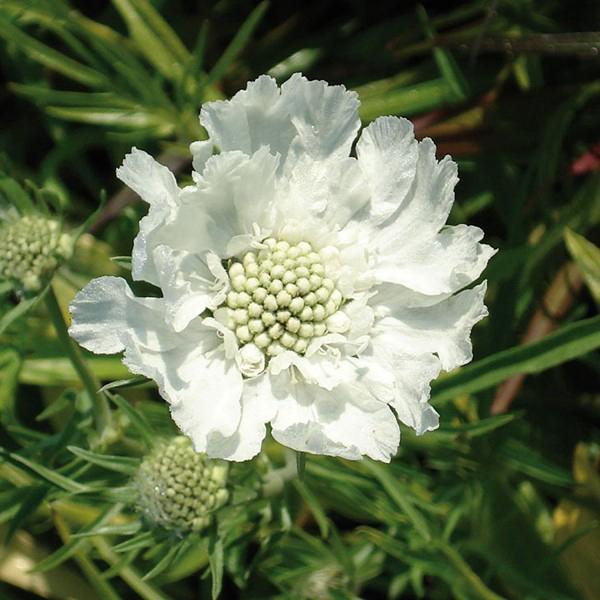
<point x="137" y="542"/>
<point x="215" y="561"/>
<point x="481" y="427"/>
<point x="151" y="42"/>
<point x="587" y="257"/>
<point x="101" y="529"/>
<point x="47" y="474"/>
<point x="300" y="464"/>
<point x="121" y="464"/>
<point x="29" y="501"/>
<point x="137" y="118"/>
<point x="44" y="96"/>
<point x="445" y="62"/>
<point x="237" y="44"/>
<point x="162" y="29"/>
<point x="74" y="545"/>
<point x="394" y="489"/>
<point x="522" y="458"/>
<point x="569" y="342"/>
<point x="163" y="563"/>
<point x="407" y="101"/>
<point x="63" y="402"/>
<point x="16" y="195"/>
<point x="138" y="420"/>
<point x="19" y="310"/>
<point x="125" y="383"/>
<point x="315" y="507"/>
<point x="10" y="364"/>
<point x="49" y="57"/>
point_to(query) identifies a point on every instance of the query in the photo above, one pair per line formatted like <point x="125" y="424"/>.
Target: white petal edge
<point x="155" y="184"/>
<point x="387" y="154"/>
<point x="442" y="328"/>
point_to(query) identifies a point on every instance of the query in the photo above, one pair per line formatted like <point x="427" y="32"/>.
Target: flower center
<point x="281" y="298"/>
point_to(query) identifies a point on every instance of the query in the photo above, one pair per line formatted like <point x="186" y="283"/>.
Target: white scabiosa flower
<point x="302" y="287"/>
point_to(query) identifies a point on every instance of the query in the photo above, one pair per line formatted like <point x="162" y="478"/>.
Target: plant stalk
<point x="101" y="409"/>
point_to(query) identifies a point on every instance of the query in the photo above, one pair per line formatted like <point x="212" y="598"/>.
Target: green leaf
<point x="163" y="563"/>
<point x="121" y="464"/>
<point x="587" y="257"/>
<point x="522" y="458"/>
<point x="10" y="364"/>
<point x="137" y="542"/>
<point x="394" y="488"/>
<point x="300" y="464"/>
<point x="16" y="195"/>
<point x="133" y="118"/>
<point x="315" y="507"/>
<point x="407" y="101"/>
<point x="215" y="561"/>
<point x="46" y="474"/>
<point x="569" y="342"/>
<point x="126" y="383"/>
<point x="101" y="529"/>
<point x="481" y="427"/>
<point x="457" y="84"/>
<point x="19" y="310"/>
<point x="30" y="500"/>
<point x="49" y="57"/>
<point x="138" y="420"/>
<point x="63" y="402"/>
<point x="153" y="36"/>
<point x="74" y="545"/>
<point x="238" y="43"/>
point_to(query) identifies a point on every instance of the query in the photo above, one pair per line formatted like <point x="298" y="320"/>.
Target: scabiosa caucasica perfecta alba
<point x="301" y="286"/>
<point x="32" y="246"/>
<point x="179" y="489"/>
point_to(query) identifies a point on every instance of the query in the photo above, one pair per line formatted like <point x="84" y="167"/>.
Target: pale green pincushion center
<point x="281" y="297"/>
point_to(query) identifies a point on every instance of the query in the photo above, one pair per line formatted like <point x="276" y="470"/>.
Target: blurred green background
<point x="503" y="501"/>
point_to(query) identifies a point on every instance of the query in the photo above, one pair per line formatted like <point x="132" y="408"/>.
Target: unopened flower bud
<point x="179" y="488"/>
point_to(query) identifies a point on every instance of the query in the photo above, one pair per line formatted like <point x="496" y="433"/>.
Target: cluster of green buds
<point x="179" y="488"/>
<point x="281" y="298"/>
<point x="31" y="248"/>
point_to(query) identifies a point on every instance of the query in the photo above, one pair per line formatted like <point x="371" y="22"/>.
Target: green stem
<point x="127" y="572"/>
<point x="470" y="576"/>
<point x="102" y="414"/>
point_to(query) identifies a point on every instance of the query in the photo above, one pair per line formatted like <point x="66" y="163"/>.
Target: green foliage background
<point x="503" y="500"/>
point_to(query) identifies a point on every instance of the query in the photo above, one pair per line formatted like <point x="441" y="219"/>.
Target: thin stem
<point x="127" y="572"/>
<point x="470" y="576"/>
<point x="102" y="414"/>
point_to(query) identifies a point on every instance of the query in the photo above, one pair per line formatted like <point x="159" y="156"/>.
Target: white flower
<point x="301" y="286"/>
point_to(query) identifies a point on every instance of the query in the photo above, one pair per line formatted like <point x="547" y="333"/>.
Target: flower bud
<point x="179" y="488"/>
<point x="31" y="248"/>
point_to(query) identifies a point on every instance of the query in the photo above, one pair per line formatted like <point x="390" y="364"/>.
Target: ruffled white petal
<point x="234" y="195"/>
<point x="105" y="315"/>
<point x="302" y="118"/>
<point x="403" y="381"/>
<point x="258" y="408"/>
<point x="156" y="185"/>
<point x="190" y="284"/>
<point x="202" y="386"/>
<point x="387" y="154"/>
<point x="209" y="405"/>
<point x="201" y="152"/>
<point x="443" y="328"/>
<point x="346" y="421"/>
<point x="451" y="260"/>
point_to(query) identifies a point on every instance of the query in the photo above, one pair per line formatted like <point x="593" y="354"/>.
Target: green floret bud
<point x="178" y="488"/>
<point x="31" y="248"/>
